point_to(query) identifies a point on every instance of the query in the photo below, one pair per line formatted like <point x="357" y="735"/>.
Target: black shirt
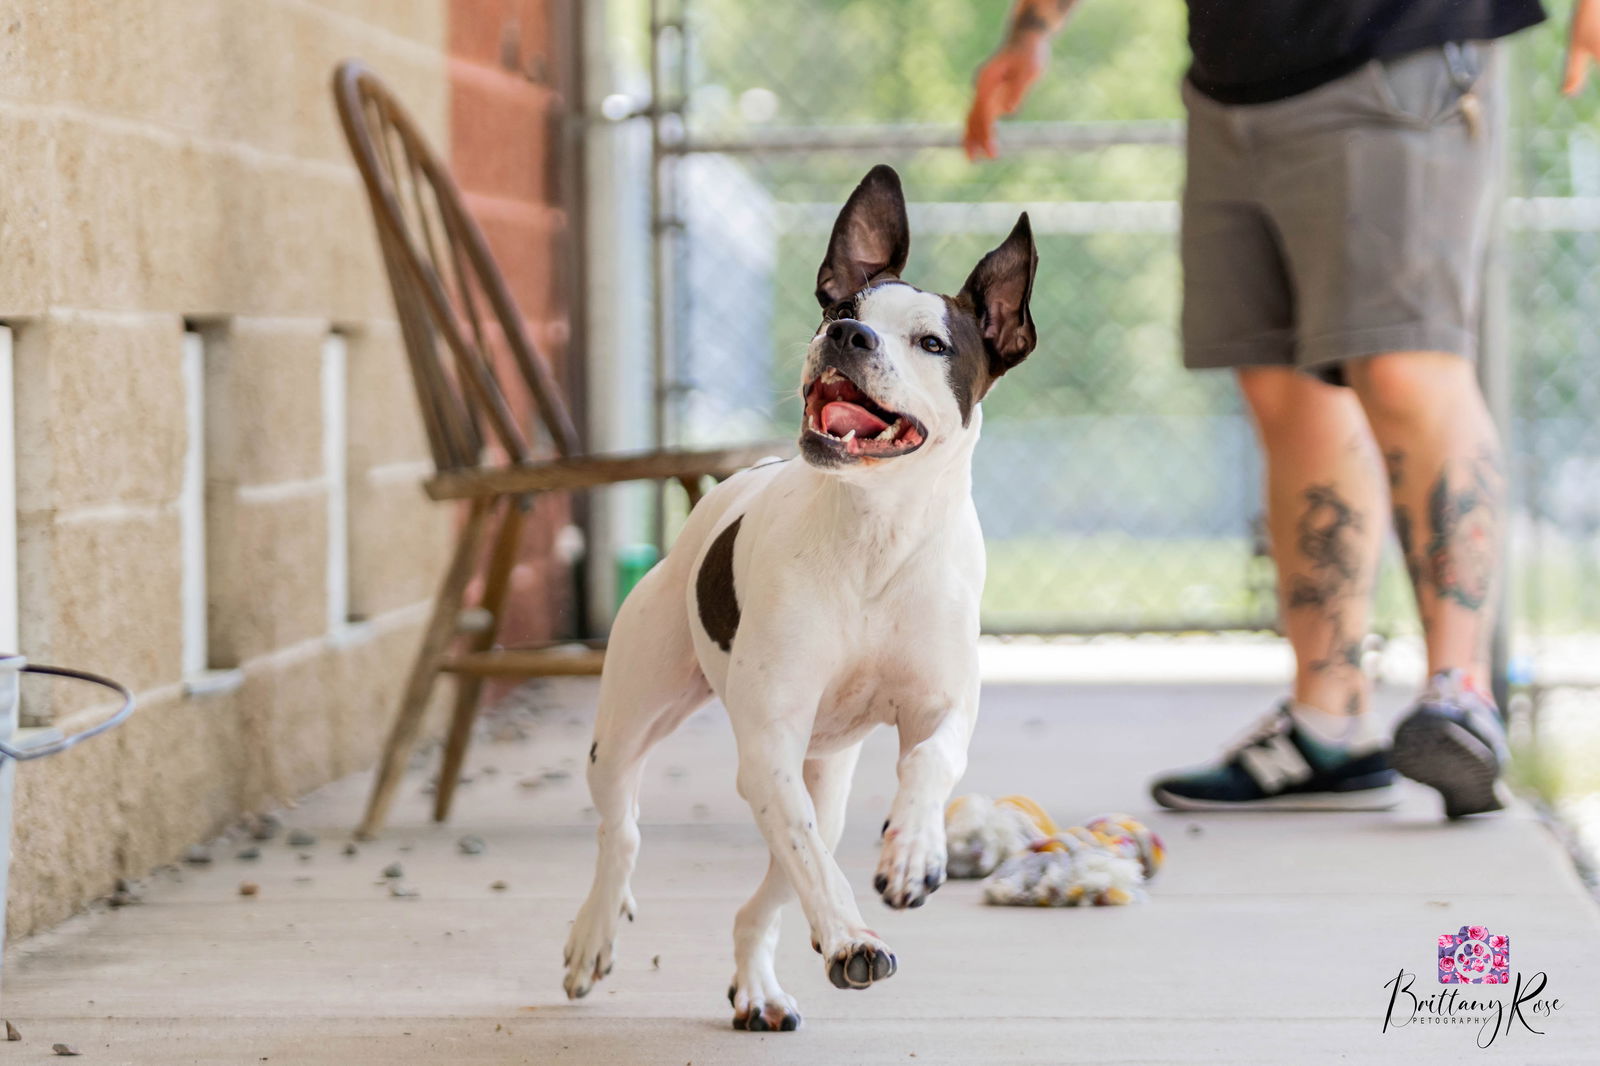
<point x="1253" y="51"/>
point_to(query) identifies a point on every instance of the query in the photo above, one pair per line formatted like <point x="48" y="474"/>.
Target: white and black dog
<point x="822" y="598"/>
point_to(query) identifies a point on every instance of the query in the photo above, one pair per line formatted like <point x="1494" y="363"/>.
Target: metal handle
<point x="56" y="748"/>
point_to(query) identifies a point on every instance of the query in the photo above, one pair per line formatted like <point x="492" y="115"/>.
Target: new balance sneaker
<point x="1453" y="740"/>
<point x="1282" y="765"/>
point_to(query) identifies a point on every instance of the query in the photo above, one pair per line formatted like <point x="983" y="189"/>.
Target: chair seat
<point x="564" y="661"/>
<point x="588" y="471"/>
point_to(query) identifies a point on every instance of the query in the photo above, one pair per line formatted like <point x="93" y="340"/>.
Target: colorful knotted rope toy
<point x="1029" y="862"/>
<point x="983" y="833"/>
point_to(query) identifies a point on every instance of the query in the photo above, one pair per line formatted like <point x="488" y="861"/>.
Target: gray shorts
<point x="1347" y="221"/>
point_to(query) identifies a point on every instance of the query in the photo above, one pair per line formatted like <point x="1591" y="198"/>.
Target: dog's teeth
<point x="848" y="437"/>
<point x="889" y="431"/>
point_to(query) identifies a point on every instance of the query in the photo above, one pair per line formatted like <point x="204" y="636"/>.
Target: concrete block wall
<point x="176" y="165"/>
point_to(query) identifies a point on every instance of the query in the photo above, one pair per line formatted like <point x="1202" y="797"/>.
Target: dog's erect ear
<point x="871" y="238"/>
<point x="998" y="288"/>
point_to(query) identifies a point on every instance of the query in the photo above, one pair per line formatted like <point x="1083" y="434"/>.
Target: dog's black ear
<point x="871" y="238"/>
<point x="999" y="288"/>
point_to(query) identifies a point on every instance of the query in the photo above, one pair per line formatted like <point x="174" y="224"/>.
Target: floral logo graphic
<point x="1474" y="956"/>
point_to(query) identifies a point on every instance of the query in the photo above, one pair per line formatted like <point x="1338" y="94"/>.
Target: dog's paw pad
<point x="860" y="963"/>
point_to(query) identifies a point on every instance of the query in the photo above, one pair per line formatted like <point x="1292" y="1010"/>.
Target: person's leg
<point x="1443" y="455"/>
<point x="1444" y="468"/>
<point x="1324" y="488"/>
<point x="1325" y="515"/>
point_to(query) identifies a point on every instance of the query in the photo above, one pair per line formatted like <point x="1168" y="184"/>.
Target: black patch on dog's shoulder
<point x="713" y="588"/>
<point x="967" y="364"/>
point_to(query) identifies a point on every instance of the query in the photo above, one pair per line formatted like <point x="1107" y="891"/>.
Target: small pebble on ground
<point x="302" y="838"/>
<point x="65" y="1049"/>
<point x="248" y="888"/>
<point x="394" y="870"/>
<point x="472" y="845"/>
<point x="498" y="886"/>
<point x="351" y="849"/>
<point x="197" y="855"/>
<point x="400" y="891"/>
<point x="11" y="1032"/>
<point x="266" y="827"/>
<point x="252" y="852"/>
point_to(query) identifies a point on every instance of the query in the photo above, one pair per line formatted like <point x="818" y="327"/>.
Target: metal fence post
<point x="1494" y="366"/>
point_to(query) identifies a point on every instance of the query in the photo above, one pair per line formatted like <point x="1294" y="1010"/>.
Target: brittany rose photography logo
<point x="1474" y="956"/>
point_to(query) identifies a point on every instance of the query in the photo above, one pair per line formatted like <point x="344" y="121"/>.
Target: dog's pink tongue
<point x="840" y="418"/>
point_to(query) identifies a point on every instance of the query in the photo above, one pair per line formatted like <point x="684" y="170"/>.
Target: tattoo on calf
<point x="1327" y="535"/>
<point x="1464" y="520"/>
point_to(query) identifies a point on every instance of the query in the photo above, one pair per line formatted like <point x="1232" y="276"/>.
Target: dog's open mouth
<point x="842" y="416"/>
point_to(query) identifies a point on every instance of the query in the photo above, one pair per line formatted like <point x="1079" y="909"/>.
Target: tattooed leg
<point x="1445" y="479"/>
<point x="1324" y="507"/>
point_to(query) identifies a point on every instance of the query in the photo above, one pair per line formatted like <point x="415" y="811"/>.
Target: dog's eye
<point x="930" y="343"/>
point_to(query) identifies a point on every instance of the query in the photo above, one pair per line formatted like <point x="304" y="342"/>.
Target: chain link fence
<point x="1118" y="492"/>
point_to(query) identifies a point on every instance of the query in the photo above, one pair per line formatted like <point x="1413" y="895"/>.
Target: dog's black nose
<point x="848" y="333"/>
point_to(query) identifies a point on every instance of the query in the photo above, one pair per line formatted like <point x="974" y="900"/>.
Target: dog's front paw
<point x="588" y="953"/>
<point x="762" y="1009"/>
<point x="860" y="961"/>
<point x="911" y="867"/>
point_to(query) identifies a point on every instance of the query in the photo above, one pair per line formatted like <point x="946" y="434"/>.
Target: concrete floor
<point x="1267" y="939"/>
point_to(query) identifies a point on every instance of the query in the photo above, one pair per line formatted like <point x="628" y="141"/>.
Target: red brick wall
<point x="505" y="110"/>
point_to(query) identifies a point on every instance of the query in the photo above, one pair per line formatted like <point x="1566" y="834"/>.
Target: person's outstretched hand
<point x="1583" y="46"/>
<point x="1002" y="83"/>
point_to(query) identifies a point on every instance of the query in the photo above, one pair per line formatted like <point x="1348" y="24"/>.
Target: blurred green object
<point x="633" y="561"/>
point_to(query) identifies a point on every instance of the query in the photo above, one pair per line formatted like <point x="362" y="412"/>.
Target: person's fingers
<point x="972" y="138"/>
<point x="1578" y="59"/>
<point x="979" y="137"/>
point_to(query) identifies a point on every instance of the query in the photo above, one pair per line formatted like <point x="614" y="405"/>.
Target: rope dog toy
<point x="1030" y="862"/>
<point x="983" y="833"/>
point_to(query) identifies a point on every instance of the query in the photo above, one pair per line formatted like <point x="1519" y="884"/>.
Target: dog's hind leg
<point x="759" y="1003"/>
<point x="651" y="683"/>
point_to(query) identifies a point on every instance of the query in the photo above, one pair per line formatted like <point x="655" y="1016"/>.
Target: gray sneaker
<point x="1454" y="741"/>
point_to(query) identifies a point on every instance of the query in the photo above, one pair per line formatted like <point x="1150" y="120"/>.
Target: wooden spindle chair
<point x="478" y="377"/>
